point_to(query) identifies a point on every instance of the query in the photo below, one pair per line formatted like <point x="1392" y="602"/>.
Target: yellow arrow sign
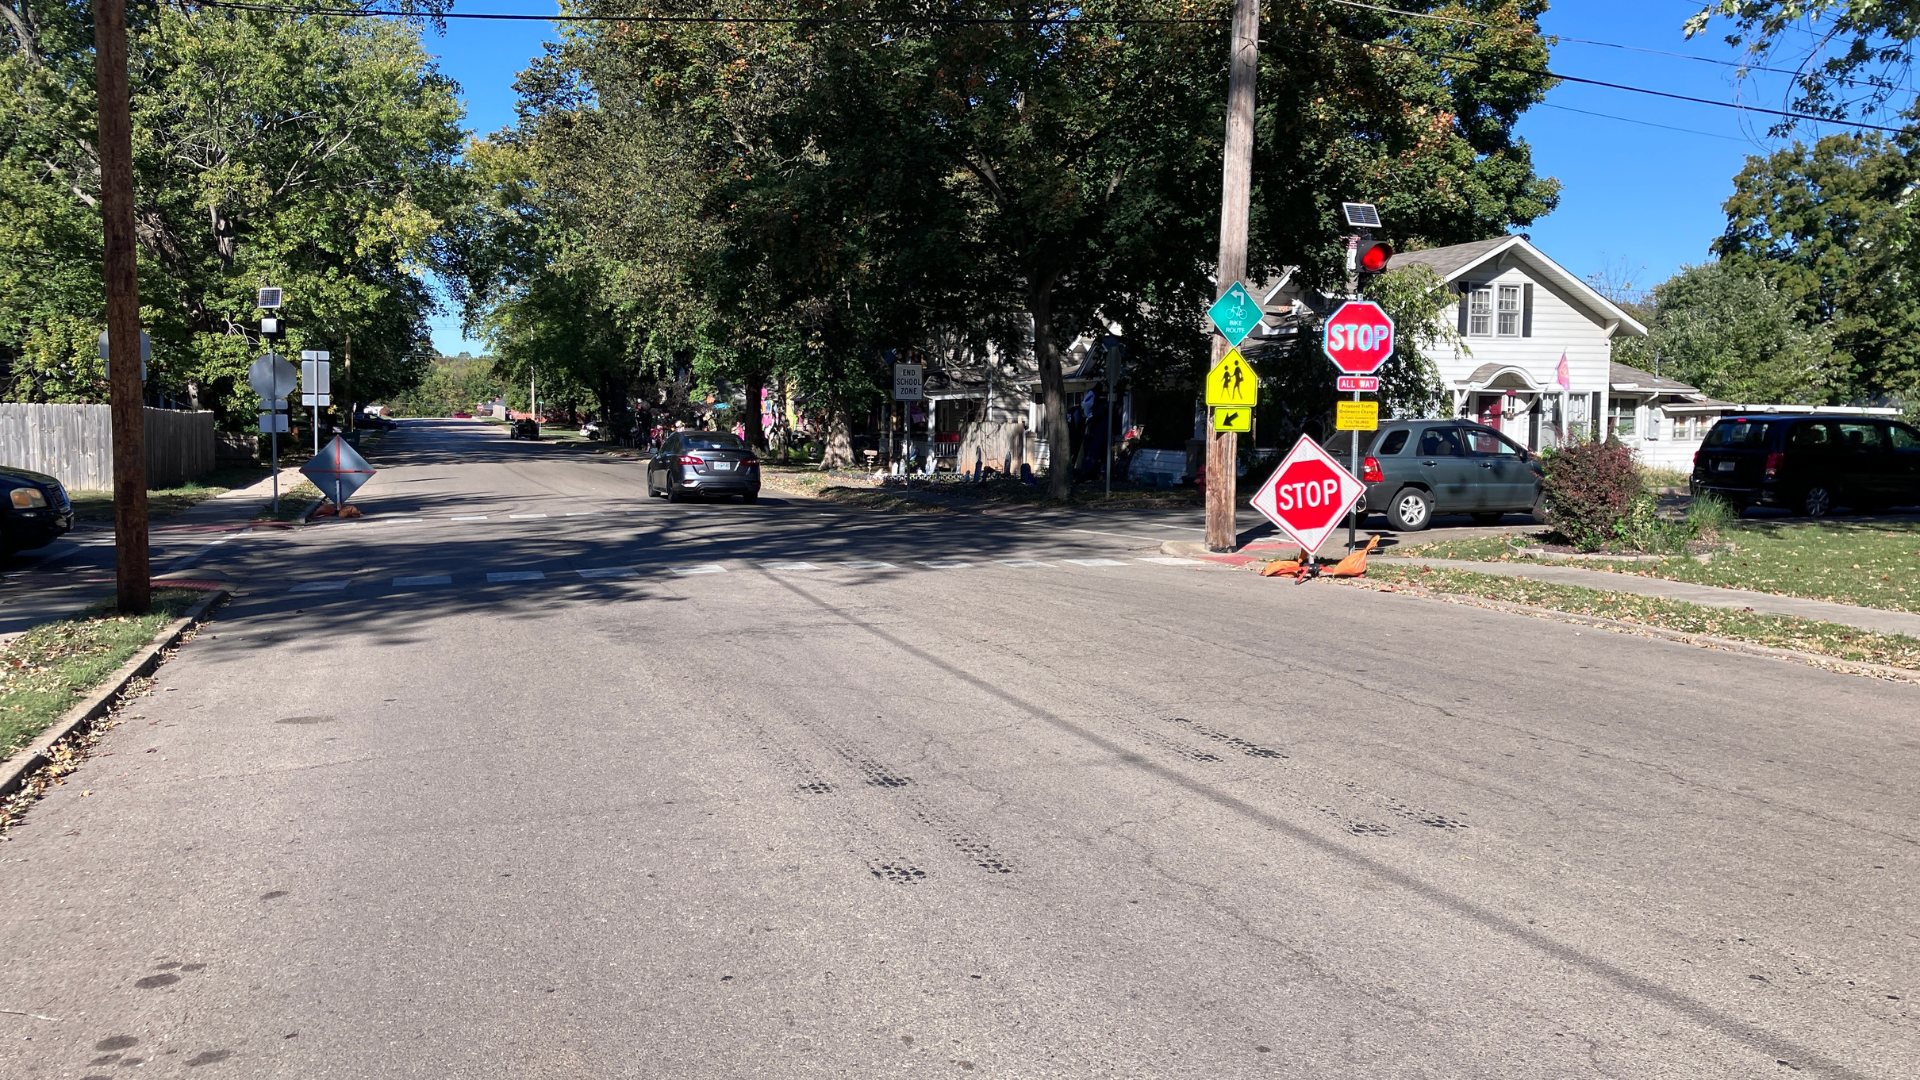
<point x="1233" y="419"/>
<point x="1232" y="382"/>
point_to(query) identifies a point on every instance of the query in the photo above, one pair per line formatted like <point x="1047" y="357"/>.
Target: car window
<point x="1904" y="437"/>
<point x="1395" y="442"/>
<point x="1441" y="442"/>
<point x="1738" y="433"/>
<point x="1814" y="433"/>
<point x="671" y="446"/>
<point x="1490" y="443"/>
<point x="1862" y="437"/>
<point x="711" y="440"/>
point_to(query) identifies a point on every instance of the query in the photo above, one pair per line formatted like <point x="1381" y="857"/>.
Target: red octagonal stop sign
<point x="1308" y="494"/>
<point x="1359" y="337"/>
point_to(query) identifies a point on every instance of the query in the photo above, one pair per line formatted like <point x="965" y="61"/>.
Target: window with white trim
<point x="1509" y="311"/>
<point x="1480" y="313"/>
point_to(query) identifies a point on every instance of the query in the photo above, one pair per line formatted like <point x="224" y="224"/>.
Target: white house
<point x="1535" y="356"/>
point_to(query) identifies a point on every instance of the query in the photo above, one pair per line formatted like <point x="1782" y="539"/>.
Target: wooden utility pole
<point x="132" y="572"/>
<point x="1236" y="198"/>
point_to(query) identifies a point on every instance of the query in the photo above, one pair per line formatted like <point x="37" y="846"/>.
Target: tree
<point x="1846" y="57"/>
<point x="1831" y="228"/>
<point x="1738" y="336"/>
<point x="311" y="152"/>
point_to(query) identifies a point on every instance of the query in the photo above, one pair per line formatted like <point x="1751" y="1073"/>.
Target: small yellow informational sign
<point x="1234" y="419"/>
<point x="1232" y="382"/>
<point x="1356" y="416"/>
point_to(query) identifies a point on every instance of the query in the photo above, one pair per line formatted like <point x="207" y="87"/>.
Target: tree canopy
<point x="316" y="153"/>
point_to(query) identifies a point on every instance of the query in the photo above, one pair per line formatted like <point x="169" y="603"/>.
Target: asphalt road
<point x="790" y="790"/>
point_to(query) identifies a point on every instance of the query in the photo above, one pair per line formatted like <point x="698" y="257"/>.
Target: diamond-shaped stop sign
<point x="1308" y="494"/>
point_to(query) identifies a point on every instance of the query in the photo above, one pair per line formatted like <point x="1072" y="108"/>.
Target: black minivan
<point x="1809" y="464"/>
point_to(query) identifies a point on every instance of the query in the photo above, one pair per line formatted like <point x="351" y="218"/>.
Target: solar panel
<point x="1361" y="215"/>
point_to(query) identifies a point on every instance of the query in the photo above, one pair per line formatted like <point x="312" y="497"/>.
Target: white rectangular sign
<point x="272" y="422"/>
<point x="316" y="379"/>
<point x="907" y="382"/>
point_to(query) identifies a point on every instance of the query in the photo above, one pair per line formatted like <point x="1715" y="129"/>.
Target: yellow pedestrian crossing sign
<point x="1232" y="382"/>
<point x="1233" y="418"/>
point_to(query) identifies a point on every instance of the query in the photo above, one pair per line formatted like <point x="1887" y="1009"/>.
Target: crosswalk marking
<point x="707" y="568"/>
<point x="944" y="564"/>
<point x="424" y="579"/>
<point x="607" y="572"/>
<point x="320" y="586"/>
<point x="1025" y="564"/>
<point x="1169" y="560"/>
<point x="789" y="566"/>
<point x="868" y="564"/>
<point x="470" y="517"/>
<point x="517" y="575"/>
<point x="520" y="517"/>
<point x="1095" y="562"/>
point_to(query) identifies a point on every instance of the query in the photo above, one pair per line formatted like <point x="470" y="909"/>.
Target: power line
<point x="1561" y="37"/>
<point x="1668" y="94"/>
<point x="1645" y="123"/>
<point x="971" y="20"/>
<point x="716" y="17"/>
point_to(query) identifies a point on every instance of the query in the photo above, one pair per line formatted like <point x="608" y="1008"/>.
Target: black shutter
<point x="1526" y="310"/>
<point x="1466" y="295"/>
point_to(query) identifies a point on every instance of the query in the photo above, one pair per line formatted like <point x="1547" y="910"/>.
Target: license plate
<point x="1724" y="466"/>
<point x="723" y="466"/>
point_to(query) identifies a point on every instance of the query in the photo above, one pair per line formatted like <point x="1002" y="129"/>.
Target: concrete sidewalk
<point x="1875" y="619"/>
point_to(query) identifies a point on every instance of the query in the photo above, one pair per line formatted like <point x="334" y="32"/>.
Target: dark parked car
<point x="1415" y="469"/>
<point x="703" y="463"/>
<point x="34" y="510"/>
<point x="524" y="428"/>
<point x="1809" y="464"/>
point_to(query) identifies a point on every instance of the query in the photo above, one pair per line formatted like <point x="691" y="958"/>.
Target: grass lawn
<point x="165" y="502"/>
<point x="1779" y="631"/>
<point x="46" y="670"/>
<point x="1870" y="563"/>
<point x="293" y="503"/>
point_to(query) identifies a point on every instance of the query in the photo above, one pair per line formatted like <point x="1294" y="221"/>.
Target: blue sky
<point x="1637" y="197"/>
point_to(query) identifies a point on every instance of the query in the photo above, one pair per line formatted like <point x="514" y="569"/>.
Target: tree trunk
<point x="1053" y="388"/>
<point x="756" y="430"/>
<point x="838" y="451"/>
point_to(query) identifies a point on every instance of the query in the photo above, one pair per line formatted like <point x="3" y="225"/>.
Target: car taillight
<point x="1774" y="461"/>
<point x="1370" y="471"/>
<point x="1696" y="459"/>
<point x="750" y="463"/>
<point x="689" y="459"/>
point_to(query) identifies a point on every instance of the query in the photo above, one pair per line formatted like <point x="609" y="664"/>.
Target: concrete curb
<point x="1705" y="641"/>
<point x="16" y="769"/>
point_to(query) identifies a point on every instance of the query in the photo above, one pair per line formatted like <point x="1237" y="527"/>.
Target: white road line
<point x="1024" y="564"/>
<point x="470" y="517"/>
<point x="320" y="586"/>
<point x="423" y="579"/>
<point x="945" y="564"/>
<point x="1094" y="562"/>
<point x="607" y="572"/>
<point x="1169" y="560"/>
<point x="582" y="513"/>
<point x="517" y="575"/>
<point x="867" y="564"/>
<point x="707" y="568"/>
<point x="518" y="516"/>
<point x="788" y="566"/>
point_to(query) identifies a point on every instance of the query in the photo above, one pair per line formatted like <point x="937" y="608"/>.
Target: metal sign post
<point x="273" y="379"/>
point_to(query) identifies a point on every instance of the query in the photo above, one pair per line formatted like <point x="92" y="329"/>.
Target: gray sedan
<point x="712" y="463"/>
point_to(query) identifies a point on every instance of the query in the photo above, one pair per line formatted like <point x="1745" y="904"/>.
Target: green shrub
<point x="1594" y="493"/>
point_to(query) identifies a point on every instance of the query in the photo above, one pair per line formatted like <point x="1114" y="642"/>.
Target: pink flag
<point x="1561" y="374"/>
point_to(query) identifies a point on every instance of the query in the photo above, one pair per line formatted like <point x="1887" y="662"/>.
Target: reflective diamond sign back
<point x="1235" y="314"/>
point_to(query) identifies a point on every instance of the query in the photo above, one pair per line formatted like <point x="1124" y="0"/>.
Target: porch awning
<point x="1515" y="378"/>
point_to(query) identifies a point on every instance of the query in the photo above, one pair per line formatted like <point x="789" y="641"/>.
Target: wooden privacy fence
<point x="74" y="443"/>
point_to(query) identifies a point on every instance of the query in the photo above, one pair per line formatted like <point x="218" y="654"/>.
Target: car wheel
<point x="1410" y="511"/>
<point x="1539" y="511"/>
<point x="750" y="497"/>
<point x="1818" y="502"/>
<point x="673" y="493"/>
<point x="1489" y="517"/>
